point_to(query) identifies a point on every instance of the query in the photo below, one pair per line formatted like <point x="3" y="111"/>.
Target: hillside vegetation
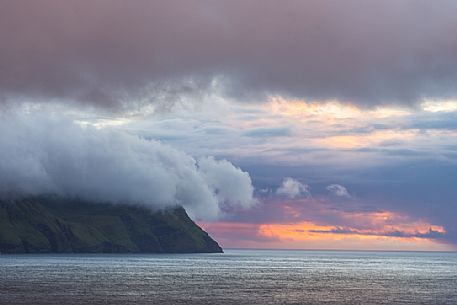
<point x="51" y="224"/>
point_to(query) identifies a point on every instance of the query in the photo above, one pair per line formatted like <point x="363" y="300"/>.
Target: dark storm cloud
<point x="110" y="53"/>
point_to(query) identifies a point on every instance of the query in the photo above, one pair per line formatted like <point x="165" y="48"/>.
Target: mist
<point x="43" y="153"/>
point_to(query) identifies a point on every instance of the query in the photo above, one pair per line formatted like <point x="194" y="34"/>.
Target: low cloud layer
<point x="117" y="53"/>
<point x="45" y="154"/>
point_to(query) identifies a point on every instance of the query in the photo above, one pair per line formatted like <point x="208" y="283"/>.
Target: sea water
<point x="235" y="277"/>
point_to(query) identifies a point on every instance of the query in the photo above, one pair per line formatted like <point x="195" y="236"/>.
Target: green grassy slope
<point x="53" y="224"/>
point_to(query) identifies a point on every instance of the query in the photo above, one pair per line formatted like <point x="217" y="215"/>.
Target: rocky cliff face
<point x="60" y="225"/>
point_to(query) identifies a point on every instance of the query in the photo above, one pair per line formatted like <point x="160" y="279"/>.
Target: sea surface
<point x="235" y="277"/>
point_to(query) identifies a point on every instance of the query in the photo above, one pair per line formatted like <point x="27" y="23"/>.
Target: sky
<point x="276" y="124"/>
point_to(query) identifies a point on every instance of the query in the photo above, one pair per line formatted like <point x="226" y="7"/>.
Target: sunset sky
<point x="277" y="124"/>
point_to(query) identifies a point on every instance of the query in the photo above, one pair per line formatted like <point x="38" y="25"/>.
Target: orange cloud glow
<point x="365" y="140"/>
<point x="371" y="231"/>
<point x="330" y="110"/>
<point x="305" y="231"/>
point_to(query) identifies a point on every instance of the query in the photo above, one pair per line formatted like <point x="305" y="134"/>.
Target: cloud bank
<point x="111" y="53"/>
<point x="46" y="154"/>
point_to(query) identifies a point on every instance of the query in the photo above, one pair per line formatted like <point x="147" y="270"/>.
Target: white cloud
<point x="50" y="154"/>
<point x="439" y="105"/>
<point x="293" y="188"/>
<point x="338" y="190"/>
<point x="232" y="186"/>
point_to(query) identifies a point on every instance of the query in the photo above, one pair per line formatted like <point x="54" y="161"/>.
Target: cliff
<point x="53" y="224"/>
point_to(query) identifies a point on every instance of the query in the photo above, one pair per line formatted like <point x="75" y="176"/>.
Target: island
<point x="54" y="224"/>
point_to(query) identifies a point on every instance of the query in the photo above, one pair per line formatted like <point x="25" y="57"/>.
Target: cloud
<point x="430" y="233"/>
<point x="267" y="132"/>
<point x="293" y="188"/>
<point x="42" y="154"/>
<point x="231" y="185"/>
<point x="116" y="54"/>
<point x="338" y="190"/>
<point x="301" y="229"/>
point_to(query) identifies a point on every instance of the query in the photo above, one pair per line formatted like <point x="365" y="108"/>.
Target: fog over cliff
<point x="42" y="154"/>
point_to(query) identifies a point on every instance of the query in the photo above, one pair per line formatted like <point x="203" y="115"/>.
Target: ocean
<point x="235" y="277"/>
